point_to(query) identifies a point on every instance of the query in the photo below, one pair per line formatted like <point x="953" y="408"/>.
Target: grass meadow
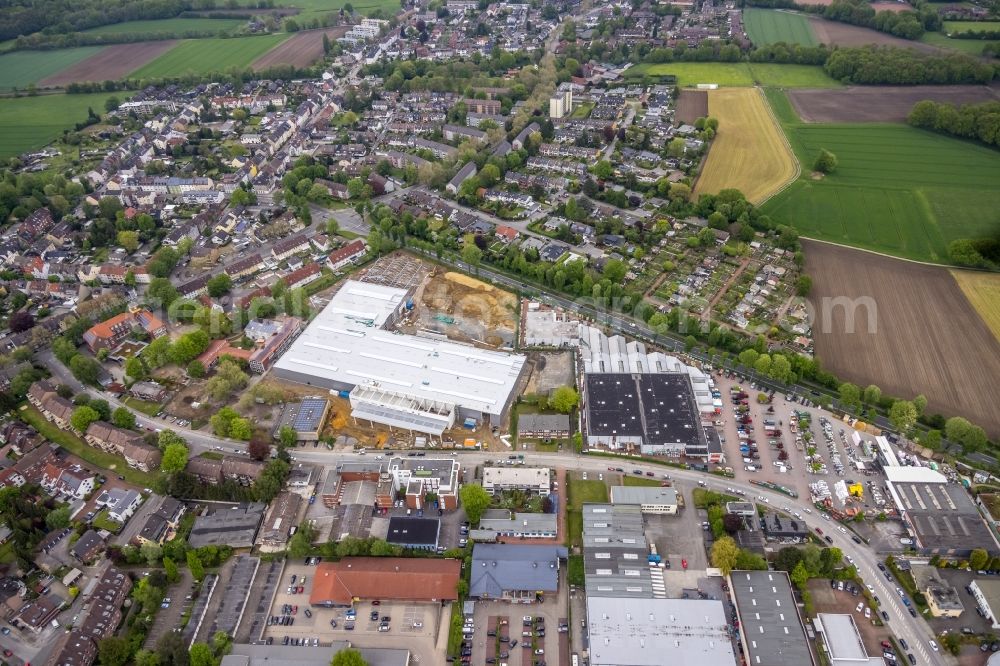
<point x="897" y="189"/>
<point x="28" y="123"/>
<point x="767" y="26"/>
<point x="737" y="74"/>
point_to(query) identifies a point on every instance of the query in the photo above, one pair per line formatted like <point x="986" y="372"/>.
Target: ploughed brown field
<point x="300" y="50"/>
<point x="927" y="339"/>
<point x="867" y="104"/>
<point x="692" y="105"/>
<point x="842" y="34"/>
<point x="110" y="63"/>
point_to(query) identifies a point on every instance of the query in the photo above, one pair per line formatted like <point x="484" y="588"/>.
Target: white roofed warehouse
<point x="420" y="384"/>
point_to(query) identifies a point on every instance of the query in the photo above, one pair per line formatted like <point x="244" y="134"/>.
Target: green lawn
<point x="204" y="56"/>
<point x="580" y="493"/>
<point x="172" y="25"/>
<point x="768" y="26"/>
<point x="78" y="447"/>
<point x="144" y="406"/>
<point x="22" y="68"/>
<point x="28" y="123"/>
<point x="971" y="26"/>
<point x="969" y="46"/>
<point x="104" y="522"/>
<point x="736" y="74"/>
<point x="639" y="481"/>
<point x="897" y="189"/>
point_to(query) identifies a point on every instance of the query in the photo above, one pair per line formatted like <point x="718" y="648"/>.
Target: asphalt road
<point x="914" y="629"/>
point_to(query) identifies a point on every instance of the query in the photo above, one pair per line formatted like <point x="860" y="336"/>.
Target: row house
<point x="73" y="648"/>
<point x="303" y="276"/>
<point x="440" y="150"/>
<point x="400" y="160"/>
<point x="245" y="267"/>
<point x="195" y="287"/>
<point x="347" y="254"/>
<point x="110" y="438"/>
<point x="264" y="357"/>
<point x="458" y="133"/>
<point x="335" y="190"/>
<point x="286" y="247"/>
<point x="141" y="456"/>
<point x="561" y="167"/>
<point x="55" y="408"/>
<point x="20" y="437"/>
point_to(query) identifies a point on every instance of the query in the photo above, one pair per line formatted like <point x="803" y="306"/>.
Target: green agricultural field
<point x="897" y="189"/>
<point x="173" y="25"/>
<point x="204" y="56"/>
<point x="791" y="76"/>
<point x="736" y="74"/>
<point x="768" y="26"/>
<point x="28" y="123"/>
<point x="22" y="68"/>
<point x="969" y="46"/>
<point x="391" y="7"/>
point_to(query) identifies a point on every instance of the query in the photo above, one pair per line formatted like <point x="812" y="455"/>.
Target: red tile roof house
<point x="347" y="254"/>
<point x="110" y="333"/>
<point x="507" y="234"/>
<point x="391" y="578"/>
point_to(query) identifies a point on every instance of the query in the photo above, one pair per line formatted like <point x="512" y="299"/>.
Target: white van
<point x="747" y="461"/>
<point x="750" y="468"/>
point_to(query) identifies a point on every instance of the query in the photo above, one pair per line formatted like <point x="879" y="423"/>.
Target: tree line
<point x="970" y="121"/>
<point x="890" y="65"/>
<point x="25" y="17"/>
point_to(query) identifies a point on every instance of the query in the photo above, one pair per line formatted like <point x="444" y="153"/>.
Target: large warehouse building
<point x="415" y="383"/>
<point x="652" y="414"/>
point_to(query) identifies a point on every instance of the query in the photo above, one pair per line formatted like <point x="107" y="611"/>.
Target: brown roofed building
<point x="205" y="470"/>
<point x="53" y="407"/>
<point x="110" y="333"/>
<point x="242" y="470"/>
<point x="74" y="649"/>
<point x="36" y="615"/>
<point x="109" y="437"/>
<point x="142" y="456"/>
<point x="303" y="276"/>
<point x="265" y="355"/>
<point x="392" y="578"/>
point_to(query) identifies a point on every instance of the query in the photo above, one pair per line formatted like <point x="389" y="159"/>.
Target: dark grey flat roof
<point x="405" y="530"/>
<point x="772" y="630"/>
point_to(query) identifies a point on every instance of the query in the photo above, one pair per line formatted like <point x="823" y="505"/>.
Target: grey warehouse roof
<point x="500" y="567"/>
<point x="773" y="633"/>
<point x="347" y="344"/>
<point x="643" y="495"/>
<point x="653" y="632"/>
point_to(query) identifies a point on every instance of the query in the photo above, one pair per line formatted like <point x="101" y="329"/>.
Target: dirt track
<point x="300" y="50"/>
<point x="692" y="105"/>
<point x="914" y="332"/>
<point x="865" y="104"/>
<point x="110" y="63"/>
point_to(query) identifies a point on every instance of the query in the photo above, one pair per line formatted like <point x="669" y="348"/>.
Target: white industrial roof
<point x="844" y="641"/>
<point x="629" y="631"/>
<point x="899" y="474"/>
<point x="346" y="343"/>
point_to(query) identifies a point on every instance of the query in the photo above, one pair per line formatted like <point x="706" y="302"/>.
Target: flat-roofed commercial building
<point x="772" y="632"/>
<point x="650" y="499"/>
<point x="535" y="480"/>
<point x="625" y="631"/>
<point x="615" y="552"/>
<point x="842" y="640"/>
<point x="413" y="383"/>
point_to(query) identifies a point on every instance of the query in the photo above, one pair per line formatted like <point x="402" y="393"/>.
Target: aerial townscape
<point x="500" y="332"/>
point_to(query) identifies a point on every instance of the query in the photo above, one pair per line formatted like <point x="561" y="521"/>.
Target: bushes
<point x="971" y="121"/>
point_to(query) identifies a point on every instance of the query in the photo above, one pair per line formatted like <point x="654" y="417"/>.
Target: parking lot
<point x="679" y="537"/>
<point x="553" y="644"/>
<point x="798" y="477"/>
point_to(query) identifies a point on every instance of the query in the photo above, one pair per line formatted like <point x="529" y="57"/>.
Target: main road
<point x="914" y="630"/>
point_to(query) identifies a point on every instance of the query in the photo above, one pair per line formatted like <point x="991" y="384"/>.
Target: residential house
<point x="142" y="457"/>
<point x="242" y="470"/>
<point x="88" y="547"/>
<point x="466" y="172"/>
<point x="42" y="394"/>
<point x="347" y="254"/>
<point x="74" y="648"/>
<point x="120" y="503"/>
<point x="205" y="470"/>
<point x="303" y="276"/>
<point x="507" y="234"/>
<point x="110" y="333"/>
<point x="286" y="247"/>
<point x="35" y="616"/>
<point x="110" y="438"/>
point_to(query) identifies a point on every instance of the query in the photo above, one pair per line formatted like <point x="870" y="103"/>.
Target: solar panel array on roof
<point x="309" y="415"/>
